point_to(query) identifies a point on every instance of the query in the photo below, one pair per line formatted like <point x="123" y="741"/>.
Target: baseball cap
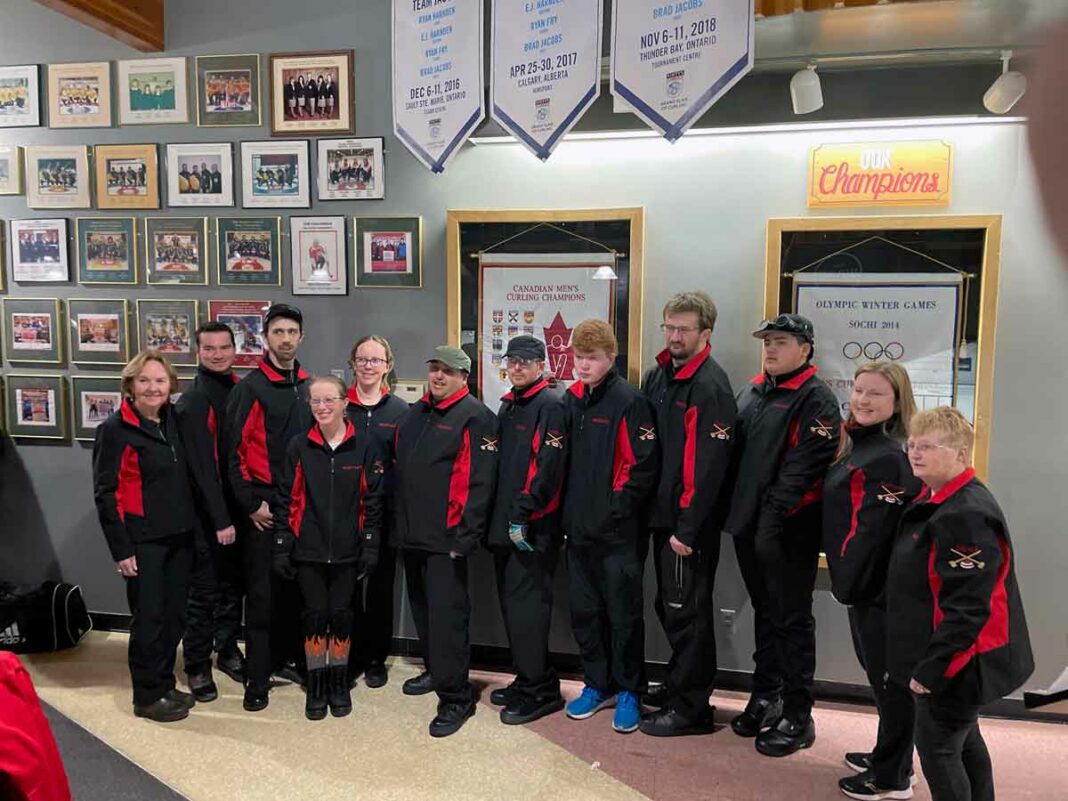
<point x="451" y="357"/>
<point x="283" y="310"/>
<point x="525" y="347"/>
<point x="789" y="324"/>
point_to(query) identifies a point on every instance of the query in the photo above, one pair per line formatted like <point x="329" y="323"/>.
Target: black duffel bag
<point x="49" y="617"/>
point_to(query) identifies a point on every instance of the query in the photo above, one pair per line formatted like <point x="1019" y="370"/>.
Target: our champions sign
<point x="916" y="173"/>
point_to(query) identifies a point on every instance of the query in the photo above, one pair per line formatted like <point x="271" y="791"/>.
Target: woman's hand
<point x="128" y="567"/>
<point x="226" y="536"/>
<point x="918" y="688"/>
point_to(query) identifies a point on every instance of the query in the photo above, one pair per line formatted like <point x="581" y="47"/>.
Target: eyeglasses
<point x="518" y="363"/>
<point x="313" y="402"/>
<point x="923" y="447"/>
<point x="359" y="361"/>
<point x="678" y="329"/>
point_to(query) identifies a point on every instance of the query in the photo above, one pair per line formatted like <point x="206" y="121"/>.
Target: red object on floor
<point x="30" y="765"/>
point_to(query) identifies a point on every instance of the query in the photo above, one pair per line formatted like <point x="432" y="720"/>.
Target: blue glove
<point x="517" y="533"/>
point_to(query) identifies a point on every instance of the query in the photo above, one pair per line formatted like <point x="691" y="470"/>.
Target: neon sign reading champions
<point x="916" y="173"/>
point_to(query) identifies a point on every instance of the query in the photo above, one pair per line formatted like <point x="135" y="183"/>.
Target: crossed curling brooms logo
<point x="967" y="560"/>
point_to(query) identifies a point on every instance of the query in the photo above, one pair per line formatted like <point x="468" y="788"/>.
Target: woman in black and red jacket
<point x="864" y="494"/>
<point x="331" y="508"/>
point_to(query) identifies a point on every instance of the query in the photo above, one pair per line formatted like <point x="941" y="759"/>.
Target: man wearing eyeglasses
<point x="695" y="413"/>
<point x="786" y="437"/>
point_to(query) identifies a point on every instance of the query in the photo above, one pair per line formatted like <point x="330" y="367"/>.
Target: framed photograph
<point x="10" y="170"/>
<point x="169" y="326"/>
<point x="127" y="176"/>
<point x="32" y="331"/>
<point x="312" y="93"/>
<point x="248" y="251"/>
<point x="351" y="169"/>
<point x="276" y="175"/>
<point x="410" y="389"/>
<point x="95" y="398"/>
<point x="98" y="330"/>
<point x="36" y="406"/>
<point x="228" y="91"/>
<point x="318" y="255"/>
<point x="176" y="250"/>
<point x="79" y="95"/>
<point x="39" y="251"/>
<point x="245" y="318"/>
<point x="389" y="252"/>
<point x="153" y="91"/>
<point x="107" y="250"/>
<point x="20" y="97"/>
<point x="200" y="175"/>
<point x="58" y="177"/>
<point x="185" y="383"/>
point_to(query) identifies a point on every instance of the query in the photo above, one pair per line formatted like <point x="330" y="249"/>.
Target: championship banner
<point x="546" y="67"/>
<point x="544" y="295"/>
<point x="437" y="76"/>
<point x="915" y="173"/>
<point x="671" y="61"/>
<point x="910" y="319"/>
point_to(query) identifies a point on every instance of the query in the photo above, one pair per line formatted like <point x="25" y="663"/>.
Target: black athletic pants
<point x="213" y="610"/>
<point x="272" y="611"/>
<point x="684" y="607"/>
<point x="955" y="761"/>
<point x="607" y="615"/>
<point x="525" y="590"/>
<point x="156" y="596"/>
<point x="437" y="592"/>
<point x="327" y="592"/>
<point x="892" y="756"/>
<point x="372" y="605"/>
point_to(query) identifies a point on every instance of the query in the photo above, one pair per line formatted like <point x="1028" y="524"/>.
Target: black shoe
<point x="527" y="710"/>
<point x="860" y="761"/>
<point x="863" y="786"/>
<point x="758" y="715"/>
<point x="657" y="696"/>
<point x="505" y="696"/>
<point x="672" y="723"/>
<point x="203" y="686"/>
<point x="786" y="737"/>
<point x="315" y="695"/>
<point x="233" y="665"/>
<point x="185" y="699"/>
<point x="375" y="675"/>
<point x="255" y="699"/>
<point x="337" y="690"/>
<point x="450" y="717"/>
<point x="165" y="710"/>
<point x="289" y="672"/>
<point x="418" y="685"/>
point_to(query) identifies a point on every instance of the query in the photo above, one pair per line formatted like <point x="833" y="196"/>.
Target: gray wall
<point x="707" y="199"/>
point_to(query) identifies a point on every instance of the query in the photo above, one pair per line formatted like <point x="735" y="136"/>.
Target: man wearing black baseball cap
<point x="786" y="437"/>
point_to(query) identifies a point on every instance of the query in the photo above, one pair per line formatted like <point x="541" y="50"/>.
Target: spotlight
<point x="1007" y="90"/>
<point x="805" y="91"/>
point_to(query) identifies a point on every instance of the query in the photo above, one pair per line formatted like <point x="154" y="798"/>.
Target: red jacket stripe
<point x="299" y="495"/>
<point x="532" y="468"/>
<point x="213" y="429"/>
<point x="689" y="456"/>
<point x="361" y="514"/>
<point x="995" y="632"/>
<point x="623" y="459"/>
<point x="128" y="497"/>
<point x="935" y="582"/>
<point x="252" y="452"/>
<point x="856" y="497"/>
<point x="460" y="482"/>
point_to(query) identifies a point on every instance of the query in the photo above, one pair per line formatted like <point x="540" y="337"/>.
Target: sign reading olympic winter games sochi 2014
<point x="437" y="76"/>
<point x="546" y="67"/>
<point x="672" y="60"/>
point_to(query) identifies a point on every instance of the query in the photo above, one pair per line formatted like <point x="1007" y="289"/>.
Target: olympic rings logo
<point x="873" y="350"/>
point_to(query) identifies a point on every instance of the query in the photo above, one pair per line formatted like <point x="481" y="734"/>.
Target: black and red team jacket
<point x="331" y="500"/>
<point x="954" y="615"/>
<point x="265" y="411"/>
<point x="613" y="464"/>
<point x="786" y="438"/>
<point x="141" y="480"/>
<point x="864" y="495"/>
<point x="446" y="470"/>
<point x="695" y="417"/>
<point x="380" y="422"/>
<point x="532" y="464"/>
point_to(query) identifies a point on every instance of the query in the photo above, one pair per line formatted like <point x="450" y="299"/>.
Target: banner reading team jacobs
<point x="914" y="173"/>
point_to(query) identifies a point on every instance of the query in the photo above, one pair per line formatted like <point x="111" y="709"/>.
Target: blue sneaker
<point x="628" y="713"/>
<point x="589" y="704"/>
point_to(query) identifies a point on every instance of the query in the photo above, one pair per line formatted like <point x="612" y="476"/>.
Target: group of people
<point x="200" y="180"/>
<point x="35" y="248"/>
<point x="57" y="175"/>
<point x="307" y="96"/>
<point x="323" y="487"/>
<point x="128" y="175"/>
<point x="354" y="173"/>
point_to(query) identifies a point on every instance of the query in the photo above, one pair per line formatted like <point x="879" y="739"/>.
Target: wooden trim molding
<point x="137" y="23"/>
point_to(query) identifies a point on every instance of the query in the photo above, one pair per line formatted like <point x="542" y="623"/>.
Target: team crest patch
<point x="822" y="429"/>
<point x="489" y="444"/>
<point x="891" y="494"/>
<point x="965" y="558"/>
<point x="377" y="467"/>
<point x="646" y="433"/>
<point x="720" y="431"/>
<point x="554" y="439"/>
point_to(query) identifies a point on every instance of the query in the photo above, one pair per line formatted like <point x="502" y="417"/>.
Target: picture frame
<point x="389" y="252"/>
<point x="410" y="389"/>
<point x="276" y="175"/>
<point x="58" y="177"/>
<point x="318" y="255"/>
<point x="98" y="331"/>
<point x="39" y="251"/>
<point x="20" y="96"/>
<point x="248" y="251"/>
<point x="351" y="169"/>
<point x="93" y="399"/>
<point x="32" y="331"/>
<point x="228" y="91"/>
<point x="11" y="170"/>
<point x="245" y="318"/>
<point x="127" y="176"/>
<point x="185" y="383"/>
<point x="107" y="250"/>
<point x="169" y="326"/>
<point x="333" y="97"/>
<point x="35" y="406"/>
<point x="188" y="186"/>
<point x="79" y="95"/>
<point x="152" y="91"/>
<point x="176" y="250"/>
<point x="3" y="257"/>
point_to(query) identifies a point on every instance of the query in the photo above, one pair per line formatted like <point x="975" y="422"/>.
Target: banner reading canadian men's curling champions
<point x="672" y="60"/>
<point x="541" y="295"/>
<point x="437" y="76"/>
<point x="546" y="67"/>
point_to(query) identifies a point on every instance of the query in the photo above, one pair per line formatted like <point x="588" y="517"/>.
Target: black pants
<point x="780" y="576"/>
<point x="157" y="604"/>
<point x="683" y="605"/>
<point x="327" y="591"/>
<point x="525" y="590"/>
<point x="955" y="761"/>
<point x="272" y="611"/>
<point x="607" y="616"/>
<point x="373" y="606"/>
<point x="213" y="610"/>
<point x="437" y="591"/>
<point x="892" y="756"/>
